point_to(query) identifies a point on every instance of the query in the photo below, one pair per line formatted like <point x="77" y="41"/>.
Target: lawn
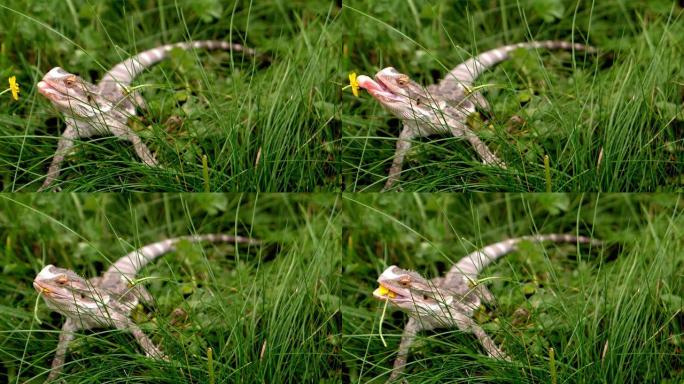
<point x="611" y="314"/>
<point x="607" y="122"/>
<point x="264" y="123"/>
<point x="270" y="313"/>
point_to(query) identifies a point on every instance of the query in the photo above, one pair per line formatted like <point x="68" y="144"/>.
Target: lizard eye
<point x="62" y="280"/>
<point x="70" y="81"/>
<point x="403" y="80"/>
<point x="404" y="281"/>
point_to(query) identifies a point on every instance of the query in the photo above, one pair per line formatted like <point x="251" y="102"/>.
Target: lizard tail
<point x="124" y="72"/>
<point x="129" y="265"/>
<point x="470" y="69"/>
<point x="472" y="264"/>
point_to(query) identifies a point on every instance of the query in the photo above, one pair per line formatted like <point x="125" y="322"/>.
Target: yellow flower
<point x="354" y="84"/>
<point x="14" y="87"/>
<point x="383" y="291"/>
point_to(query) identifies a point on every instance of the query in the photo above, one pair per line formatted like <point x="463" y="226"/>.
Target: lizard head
<point x="410" y="292"/>
<point x="67" y="293"/>
<point x="399" y="94"/>
<point x="71" y="94"/>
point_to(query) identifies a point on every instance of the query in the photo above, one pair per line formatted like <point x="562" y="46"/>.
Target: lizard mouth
<point x="395" y="296"/>
<point x="378" y="89"/>
<point x="47" y="90"/>
<point x="40" y="288"/>
<point x="384" y="292"/>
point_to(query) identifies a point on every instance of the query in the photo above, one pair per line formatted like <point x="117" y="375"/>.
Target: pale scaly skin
<point x="450" y="301"/>
<point x="107" y="301"/>
<point x="443" y="107"/>
<point x="104" y="109"/>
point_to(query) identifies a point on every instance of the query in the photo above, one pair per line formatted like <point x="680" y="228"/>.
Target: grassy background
<point x="612" y="314"/>
<point x="270" y="313"/>
<point x="227" y="107"/>
<point x="627" y="102"/>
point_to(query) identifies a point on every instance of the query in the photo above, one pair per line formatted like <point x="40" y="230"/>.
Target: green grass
<point x="270" y="313"/>
<point x="611" y="314"/>
<point x="626" y="102"/>
<point x="263" y="127"/>
<point x="276" y="313"/>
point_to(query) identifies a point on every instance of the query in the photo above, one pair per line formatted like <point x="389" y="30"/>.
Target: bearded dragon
<point x="107" y="301"/>
<point x="104" y="109"/>
<point x="443" y="107"/>
<point x="450" y="302"/>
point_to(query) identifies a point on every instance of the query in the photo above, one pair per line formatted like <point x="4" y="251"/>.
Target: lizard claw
<point x="158" y="355"/>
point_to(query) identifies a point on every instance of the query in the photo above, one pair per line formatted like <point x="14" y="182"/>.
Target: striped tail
<point x="472" y="264"/>
<point x="470" y="69"/>
<point x="124" y="72"/>
<point x="129" y="265"/>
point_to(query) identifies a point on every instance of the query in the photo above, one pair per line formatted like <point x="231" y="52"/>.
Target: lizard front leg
<point x="403" y="145"/>
<point x="139" y="101"/>
<point x="65" y="337"/>
<point x="147" y="345"/>
<point x="467" y="324"/>
<point x="410" y="331"/>
<point x="488" y="157"/>
<point x="123" y="131"/>
<point x="73" y="131"/>
<point x="484" y="293"/>
<point x="480" y="101"/>
<point x="142" y="294"/>
<point x="458" y="128"/>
